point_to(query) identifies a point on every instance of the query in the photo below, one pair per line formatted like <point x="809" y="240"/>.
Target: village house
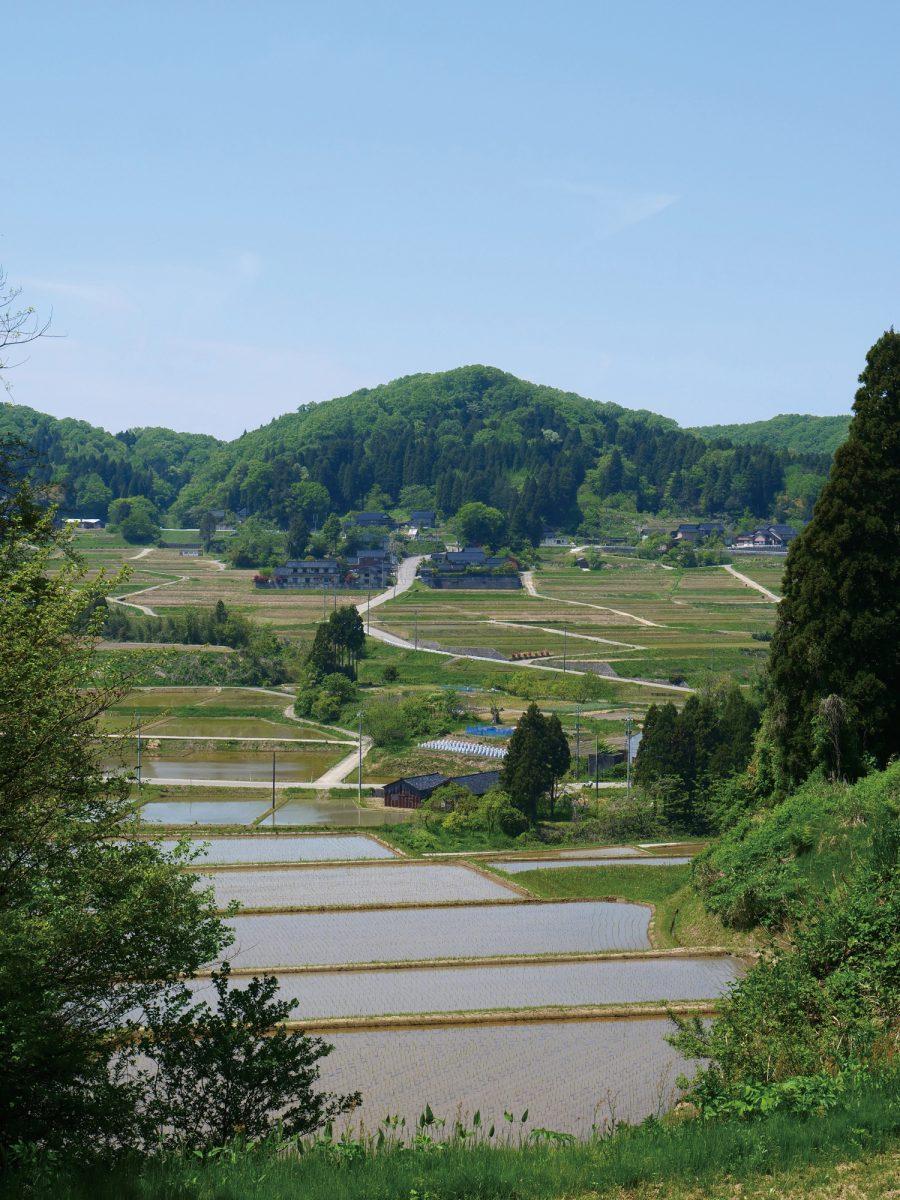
<point x="422" y="518"/>
<point x="766" y="537"/>
<point x="84" y="522"/>
<point x="690" y="534"/>
<point x="307" y="573"/>
<point x="368" y="520"/>
<point x="471" y="567"/>
<point x="412" y="791"/>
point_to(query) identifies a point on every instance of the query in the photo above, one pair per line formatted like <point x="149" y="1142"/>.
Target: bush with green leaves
<point x="825" y="998"/>
<point x="231" y="1070"/>
<point x="400" y="720"/>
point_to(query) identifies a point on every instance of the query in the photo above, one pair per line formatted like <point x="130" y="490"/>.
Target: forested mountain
<point x="542" y="456"/>
<point x="800" y="432"/>
<point x="87" y="467"/>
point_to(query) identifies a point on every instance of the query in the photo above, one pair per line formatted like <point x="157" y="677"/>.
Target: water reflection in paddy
<point x="202" y="812"/>
<point x="337" y="811"/>
<point x="333" y="887"/>
<point x="516" y="868"/>
<point x="569" y="1075"/>
<point x="286" y="848"/>
<point x="526" y="985"/>
<point x="288" y="939"/>
<point x="244" y="766"/>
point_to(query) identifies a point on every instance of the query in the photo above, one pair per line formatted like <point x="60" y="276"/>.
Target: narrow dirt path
<point x="585" y="637"/>
<point x="528" y="584"/>
<point x="145" y="608"/>
<point x="141" y="553"/>
<point x="751" y="583"/>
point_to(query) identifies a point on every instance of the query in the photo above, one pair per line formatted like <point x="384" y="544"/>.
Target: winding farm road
<point x="406" y="574"/>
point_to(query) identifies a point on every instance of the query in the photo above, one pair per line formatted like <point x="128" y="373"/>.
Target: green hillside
<point x="798" y="432"/>
<point x="541" y="456"/>
<point x="86" y="467"/>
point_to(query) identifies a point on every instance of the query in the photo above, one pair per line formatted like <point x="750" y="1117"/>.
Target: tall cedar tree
<point x="534" y="761"/>
<point x="838" y="621"/>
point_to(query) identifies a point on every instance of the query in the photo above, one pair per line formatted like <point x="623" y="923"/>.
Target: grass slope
<point x="845" y="1153"/>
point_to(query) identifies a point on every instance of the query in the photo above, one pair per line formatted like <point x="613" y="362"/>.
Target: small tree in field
<point x="235" y="1071"/>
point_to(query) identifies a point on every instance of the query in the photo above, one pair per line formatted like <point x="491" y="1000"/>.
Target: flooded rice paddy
<point x="202" y="812"/>
<point x="569" y="1075"/>
<point x="331" y="887"/>
<point x="336" y="811"/>
<point x="525" y="985"/>
<point x="293" y="939"/>
<point x="245" y="766"/>
<point x="232" y="727"/>
<point x="286" y="849"/>
<point x="543" y="864"/>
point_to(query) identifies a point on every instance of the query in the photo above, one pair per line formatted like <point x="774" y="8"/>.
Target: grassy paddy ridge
<point x="846" y="1154"/>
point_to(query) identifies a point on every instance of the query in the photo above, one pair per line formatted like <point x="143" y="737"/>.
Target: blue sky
<point x="236" y="208"/>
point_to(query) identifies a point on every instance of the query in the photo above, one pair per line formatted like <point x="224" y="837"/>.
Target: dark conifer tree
<point x="838" y="621"/>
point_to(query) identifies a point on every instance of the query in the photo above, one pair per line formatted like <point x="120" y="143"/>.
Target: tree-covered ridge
<point x="87" y="467"/>
<point x="540" y="456"/>
<point x="799" y="432"/>
<point x="479" y="434"/>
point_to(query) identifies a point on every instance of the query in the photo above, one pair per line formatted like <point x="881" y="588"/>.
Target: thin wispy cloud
<point x="615" y="209"/>
<point x="104" y="295"/>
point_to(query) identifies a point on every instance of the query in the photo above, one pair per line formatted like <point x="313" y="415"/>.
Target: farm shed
<point x="412" y="791"/>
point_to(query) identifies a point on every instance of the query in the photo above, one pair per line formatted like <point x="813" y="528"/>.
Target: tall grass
<point x="466" y="1168"/>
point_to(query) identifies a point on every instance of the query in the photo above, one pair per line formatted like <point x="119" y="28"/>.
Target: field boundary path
<point x="751" y="583"/>
<point x="406" y="575"/>
<point x="529" y="586"/>
<point x="145" y="608"/>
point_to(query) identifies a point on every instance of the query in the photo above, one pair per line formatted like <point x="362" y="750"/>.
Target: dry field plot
<point x="283" y="940"/>
<point x="264" y="848"/>
<point x="767" y="570"/>
<point x="491" y="988"/>
<point x="336" y="887"/>
<point x="570" y="1075"/>
<point x="699" y="620"/>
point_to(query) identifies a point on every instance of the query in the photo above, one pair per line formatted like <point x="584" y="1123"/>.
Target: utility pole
<point x="139" y="758"/>
<point x="368" y="608"/>
<point x="628" y="728"/>
<point x="565" y="642"/>
<point x="324" y="594"/>
<point x="597" y="767"/>
<point x="577" y="739"/>
<point x="416" y="616"/>
<point x="273" y="789"/>
<point x="359" y="768"/>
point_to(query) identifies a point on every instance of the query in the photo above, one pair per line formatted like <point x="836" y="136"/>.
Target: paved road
<point x="406" y="574"/>
<point x="751" y="583"/>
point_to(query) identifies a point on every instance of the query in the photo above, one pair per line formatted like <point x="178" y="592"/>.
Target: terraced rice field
<point x="699" y="620"/>
<point x="514" y="867"/>
<point x="261" y="848"/>
<point x="331" y="887"/>
<point x="335" y="810"/>
<point x="281" y="940"/>
<point x="180" y="760"/>
<point x="526" y="985"/>
<point x="202" y="812"/>
<point x="571" y="1075"/>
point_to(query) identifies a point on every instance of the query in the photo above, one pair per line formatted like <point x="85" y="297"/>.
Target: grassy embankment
<point x="842" y="1154"/>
